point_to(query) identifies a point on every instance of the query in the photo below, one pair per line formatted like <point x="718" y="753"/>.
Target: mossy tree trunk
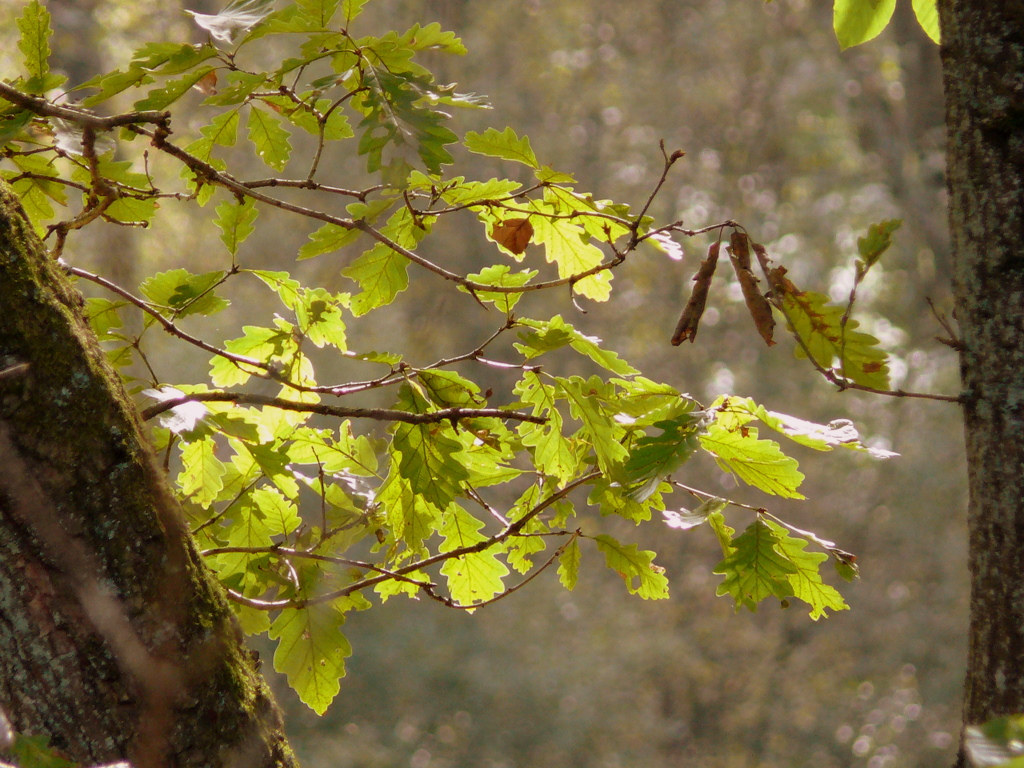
<point x="117" y="643"/>
<point x="983" y="72"/>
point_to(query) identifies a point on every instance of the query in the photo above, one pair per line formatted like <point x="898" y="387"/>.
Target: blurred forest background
<point x="805" y="147"/>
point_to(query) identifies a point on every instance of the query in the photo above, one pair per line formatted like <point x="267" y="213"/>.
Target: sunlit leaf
<point x="757" y="462"/>
<point x="556" y="333"/>
<point x="382" y="274"/>
<point x="833" y="345"/>
<point x="599" y="426"/>
<point x="733" y="412"/>
<point x="311" y="652"/>
<point x="181" y="293"/>
<point x="473" y="577"/>
<point x="269" y="138"/>
<point x="503" y="144"/>
<point x="569" y="565"/>
<point x="857" y="21"/>
<point x="172" y="90"/>
<point x="502" y="275"/>
<point x="877" y="242"/>
<point x="552" y="452"/>
<point x="567" y="245"/>
<point x="754" y="569"/>
<point x="636" y="567"/>
<point x="328" y="238"/>
<point x="236" y="223"/>
<point x="806" y="578"/>
<point x="201" y="472"/>
<point x="34" y="43"/>
<point x="652" y="459"/>
<point x="928" y="18"/>
<point x="429" y="454"/>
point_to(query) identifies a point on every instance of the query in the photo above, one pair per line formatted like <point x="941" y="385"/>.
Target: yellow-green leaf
<point x="928" y="18"/>
<point x="473" y="577"/>
<point x="503" y="144"/>
<point x="34" y="43"/>
<point x="201" y="476"/>
<point x="311" y="651"/>
<point x="754" y="569"/>
<point x="857" y="21"/>
<point x="269" y="138"/>
<point x="806" y="578"/>
<point x="759" y="463"/>
<point x="636" y="567"/>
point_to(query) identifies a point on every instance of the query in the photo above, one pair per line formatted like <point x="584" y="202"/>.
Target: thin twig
<point x="338" y="411"/>
<point x="169" y="326"/>
<point x="302" y="554"/>
<point x="500" y="596"/>
<point x="511" y="530"/>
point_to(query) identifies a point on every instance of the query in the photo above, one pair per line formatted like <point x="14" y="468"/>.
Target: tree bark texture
<point x="983" y="75"/>
<point x="117" y="642"/>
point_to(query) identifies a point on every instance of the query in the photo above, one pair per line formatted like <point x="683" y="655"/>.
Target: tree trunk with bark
<point x="117" y="642"/>
<point x="983" y="73"/>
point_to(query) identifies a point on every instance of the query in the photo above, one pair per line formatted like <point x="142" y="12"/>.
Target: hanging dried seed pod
<point x="690" y="319"/>
<point x="758" y="306"/>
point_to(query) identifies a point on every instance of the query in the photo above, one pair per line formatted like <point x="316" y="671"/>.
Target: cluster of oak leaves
<point x="246" y="459"/>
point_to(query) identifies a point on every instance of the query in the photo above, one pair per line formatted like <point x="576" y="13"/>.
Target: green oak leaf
<point x="569" y="565"/>
<point x="853" y="353"/>
<point x="757" y="462"/>
<point x="501" y="275"/>
<point x="877" y="242"/>
<point x="172" y="90"/>
<point x="636" y="567"/>
<point x="553" y="454"/>
<point x="269" y="138"/>
<point x="410" y="517"/>
<point x="652" y="459"/>
<point x="928" y="17"/>
<point x="327" y="239"/>
<point x="311" y="652"/>
<point x="201" y="472"/>
<point x="568" y="246"/>
<point x="546" y="336"/>
<point x="754" y="569"/>
<point x="599" y="426"/>
<point x="235" y="222"/>
<point x="178" y="293"/>
<point x="857" y="21"/>
<point x="502" y="144"/>
<point x="806" y="578"/>
<point x="430" y="454"/>
<point x="34" y="42"/>
<point x="473" y="577"/>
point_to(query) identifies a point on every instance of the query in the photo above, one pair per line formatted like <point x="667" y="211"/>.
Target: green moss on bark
<point x="82" y="463"/>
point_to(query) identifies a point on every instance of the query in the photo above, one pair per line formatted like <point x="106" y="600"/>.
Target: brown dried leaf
<point x="758" y="306"/>
<point x="513" y="234"/>
<point x="781" y="285"/>
<point x="686" y="329"/>
<point x="207" y="84"/>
